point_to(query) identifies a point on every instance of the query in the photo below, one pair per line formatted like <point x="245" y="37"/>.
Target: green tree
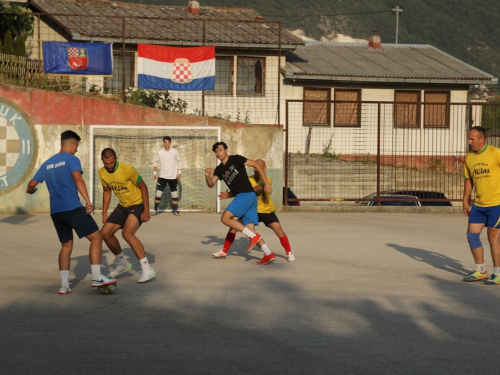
<point x="21" y="45"/>
<point x="8" y="44"/>
<point x="1" y="46"/>
<point x="21" y="22"/>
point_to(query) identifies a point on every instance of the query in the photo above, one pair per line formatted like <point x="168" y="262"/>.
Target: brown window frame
<point x="259" y="87"/>
<point x="310" y="107"/>
<point x="230" y="77"/>
<point x="440" y="107"/>
<point x="341" y="108"/>
<point x="405" y="106"/>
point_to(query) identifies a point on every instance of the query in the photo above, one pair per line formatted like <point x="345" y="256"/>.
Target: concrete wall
<point x="43" y="115"/>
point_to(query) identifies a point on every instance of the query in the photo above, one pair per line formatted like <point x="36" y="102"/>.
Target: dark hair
<point x="107" y="153"/>
<point x="480" y="130"/>
<point x="70" y="134"/>
<point x="214" y="147"/>
<point x="167" y="138"/>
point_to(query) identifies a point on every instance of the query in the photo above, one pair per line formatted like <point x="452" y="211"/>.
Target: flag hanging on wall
<point x="173" y="68"/>
<point x="78" y="58"/>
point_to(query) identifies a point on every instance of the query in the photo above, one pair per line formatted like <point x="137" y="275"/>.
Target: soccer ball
<point x="107" y="289"/>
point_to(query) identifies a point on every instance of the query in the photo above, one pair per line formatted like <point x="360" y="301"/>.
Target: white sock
<point x="481" y="268"/>
<point x="248" y="233"/>
<point x="96" y="271"/>
<point x="496" y="270"/>
<point x="266" y="249"/>
<point x="64" y="277"/>
<point x="120" y="258"/>
<point x="145" y="264"/>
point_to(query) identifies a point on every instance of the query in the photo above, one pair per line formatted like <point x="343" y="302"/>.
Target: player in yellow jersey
<point x="266" y="212"/>
<point x="130" y="213"/>
<point x="482" y="173"/>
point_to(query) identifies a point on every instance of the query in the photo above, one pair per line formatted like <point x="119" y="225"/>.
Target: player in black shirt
<point x="244" y="205"/>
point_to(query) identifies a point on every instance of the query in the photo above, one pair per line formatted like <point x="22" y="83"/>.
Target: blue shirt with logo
<point x="57" y="173"/>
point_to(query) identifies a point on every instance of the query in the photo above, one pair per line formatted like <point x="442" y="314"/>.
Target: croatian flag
<point x="178" y="69"/>
<point x="78" y="58"/>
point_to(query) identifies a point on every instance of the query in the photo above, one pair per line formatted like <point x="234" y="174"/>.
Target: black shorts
<point x="120" y="214"/>
<point x="76" y="219"/>
<point x="268" y="218"/>
<point x="162" y="182"/>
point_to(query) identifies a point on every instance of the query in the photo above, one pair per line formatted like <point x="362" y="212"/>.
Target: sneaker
<point x="290" y="257"/>
<point x="494" y="279"/>
<point x="119" y="270"/>
<point x="65" y="289"/>
<point x="101" y="281"/>
<point x="176" y="213"/>
<point x="253" y="242"/>
<point x="154" y="213"/>
<point x="147" y="275"/>
<point x="220" y="254"/>
<point x="267" y="259"/>
<point x="476" y="276"/>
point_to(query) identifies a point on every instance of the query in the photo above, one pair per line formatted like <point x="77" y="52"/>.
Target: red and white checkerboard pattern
<point x="181" y="73"/>
<point x="10" y="146"/>
<point x="73" y="52"/>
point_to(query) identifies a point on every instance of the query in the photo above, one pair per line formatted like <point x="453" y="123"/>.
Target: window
<point x="251" y="75"/>
<point x="437" y="115"/>
<point x="407" y="114"/>
<point x="122" y="65"/>
<point x="347" y="114"/>
<point x="316" y="113"/>
<point x="223" y="75"/>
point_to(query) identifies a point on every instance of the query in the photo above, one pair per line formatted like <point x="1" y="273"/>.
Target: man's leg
<point x="95" y="256"/>
<point x="477" y="250"/>
<point x="128" y="232"/>
<point x="276" y="227"/>
<point x="160" y="185"/>
<point x="174" y="185"/>
<point x="494" y="241"/>
<point x="64" y="264"/>
<point x="108" y="233"/>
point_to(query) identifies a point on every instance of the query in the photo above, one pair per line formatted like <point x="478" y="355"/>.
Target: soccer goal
<point x="137" y="146"/>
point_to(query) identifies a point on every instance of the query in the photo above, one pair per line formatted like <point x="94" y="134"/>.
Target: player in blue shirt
<point x="63" y="175"/>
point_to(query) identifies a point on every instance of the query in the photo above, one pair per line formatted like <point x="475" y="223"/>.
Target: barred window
<point x="122" y="66"/>
<point x="223" y="75"/>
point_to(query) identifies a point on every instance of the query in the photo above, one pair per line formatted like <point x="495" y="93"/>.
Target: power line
<point x="326" y="15"/>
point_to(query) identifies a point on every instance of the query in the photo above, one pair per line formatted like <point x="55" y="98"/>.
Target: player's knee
<point x="174" y="195"/>
<point x="158" y="194"/>
<point x="474" y="240"/>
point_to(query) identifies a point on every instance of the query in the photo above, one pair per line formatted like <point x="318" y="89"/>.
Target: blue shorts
<point x="490" y="216"/>
<point x="244" y="205"/>
<point x="76" y="219"/>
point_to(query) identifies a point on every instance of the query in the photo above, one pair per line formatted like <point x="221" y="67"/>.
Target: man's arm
<point x="145" y="216"/>
<point x="210" y="180"/>
<point x="267" y="186"/>
<point x="179" y="166"/>
<point x="106" y="199"/>
<point x="155" y="165"/>
<point x="31" y="189"/>
<point x="82" y="189"/>
<point x="468" y="186"/>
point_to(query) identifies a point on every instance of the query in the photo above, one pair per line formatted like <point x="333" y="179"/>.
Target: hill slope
<point x="466" y="30"/>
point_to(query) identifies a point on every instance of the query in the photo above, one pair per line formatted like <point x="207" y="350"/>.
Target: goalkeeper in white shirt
<point x="167" y="170"/>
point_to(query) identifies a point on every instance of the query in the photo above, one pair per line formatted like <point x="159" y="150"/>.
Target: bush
<point x="158" y="100"/>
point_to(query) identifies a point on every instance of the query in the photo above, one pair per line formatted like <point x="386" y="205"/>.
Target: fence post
<point x="285" y="193"/>
<point x="378" y="150"/>
<point x="124" y="94"/>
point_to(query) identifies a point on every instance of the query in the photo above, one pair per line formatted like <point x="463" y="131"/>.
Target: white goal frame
<point x="145" y="127"/>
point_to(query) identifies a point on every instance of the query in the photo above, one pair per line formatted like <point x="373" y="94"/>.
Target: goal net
<point x="137" y="146"/>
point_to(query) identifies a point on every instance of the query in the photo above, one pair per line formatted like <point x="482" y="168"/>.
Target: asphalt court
<point x="369" y="293"/>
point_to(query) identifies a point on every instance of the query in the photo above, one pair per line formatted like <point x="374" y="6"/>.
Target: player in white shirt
<point x="169" y="164"/>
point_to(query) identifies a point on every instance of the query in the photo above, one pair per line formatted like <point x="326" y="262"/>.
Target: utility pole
<point x="397" y="9"/>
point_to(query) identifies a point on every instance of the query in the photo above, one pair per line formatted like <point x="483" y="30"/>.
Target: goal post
<point x="137" y="146"/>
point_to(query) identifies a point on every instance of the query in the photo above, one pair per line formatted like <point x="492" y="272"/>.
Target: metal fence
<point x="247" y="87"/>
<point x="376" y="147"/>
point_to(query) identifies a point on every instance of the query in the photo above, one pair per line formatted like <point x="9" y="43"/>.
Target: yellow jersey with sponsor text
<point x="123" y="182"/>
<point x="264" y="203"/>
<point x="484" y="170"/>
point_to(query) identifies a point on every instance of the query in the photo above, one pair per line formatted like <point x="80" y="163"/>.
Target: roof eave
<point x="308" y="77"/>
